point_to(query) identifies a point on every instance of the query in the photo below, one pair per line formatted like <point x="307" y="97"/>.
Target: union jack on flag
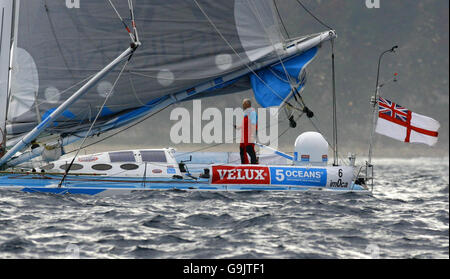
<point x="402" y="124"/>
<point x="388" y="108"/>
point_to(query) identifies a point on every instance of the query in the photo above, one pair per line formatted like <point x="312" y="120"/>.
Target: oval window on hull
<point x="74" y="167"/>
<point x="48" y="167"/>
<point x="101" y="167"/>
<point x="129" y="166"/>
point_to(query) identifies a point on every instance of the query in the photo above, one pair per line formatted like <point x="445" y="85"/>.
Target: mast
<point x="6" y="24"/>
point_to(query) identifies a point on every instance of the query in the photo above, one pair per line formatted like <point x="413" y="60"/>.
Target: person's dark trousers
<point x="250" y="149"/>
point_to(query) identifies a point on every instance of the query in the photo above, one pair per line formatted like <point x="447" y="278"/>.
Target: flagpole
<point x="374" y="102"/>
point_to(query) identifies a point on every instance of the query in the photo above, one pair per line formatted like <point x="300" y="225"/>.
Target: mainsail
<point x="198" y="48"/>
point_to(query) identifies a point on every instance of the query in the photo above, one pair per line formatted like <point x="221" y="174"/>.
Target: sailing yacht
<point x="69" y="72"/>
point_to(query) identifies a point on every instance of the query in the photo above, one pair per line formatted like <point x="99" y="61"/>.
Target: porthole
<point x="101" y="167"/>
<point x="48" y="167"/>
<point x="129" y="166"/>
<point x="74" y="167"/>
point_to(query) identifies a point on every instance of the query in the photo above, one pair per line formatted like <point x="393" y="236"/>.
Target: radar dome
<point x="311" y="148"/>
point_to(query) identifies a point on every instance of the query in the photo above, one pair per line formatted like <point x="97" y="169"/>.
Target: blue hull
<point x="95" y="185"/>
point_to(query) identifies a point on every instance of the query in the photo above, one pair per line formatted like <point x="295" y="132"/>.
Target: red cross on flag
<point x="400" y="123"/>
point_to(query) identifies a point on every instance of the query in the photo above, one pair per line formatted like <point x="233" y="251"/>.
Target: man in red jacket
<point x="248" y="133"/>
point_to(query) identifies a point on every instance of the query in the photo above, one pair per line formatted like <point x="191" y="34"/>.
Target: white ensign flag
<point x="400" y="123"/>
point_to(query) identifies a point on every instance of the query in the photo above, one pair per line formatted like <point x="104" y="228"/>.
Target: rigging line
<point x="61" y="93"/>
<point x="281" y="19"/>
<point x="133" y="89"/>
<point x="70" y="122"/>
<point x="73" y="133"/>
<point x="259" y="17"/>
<point x="237" y="160"/>
<point x="293" y="85"/>
<point x="299" y="95"/>
<point x="301" y="102"/>
<point x="228" y="43"/>
<point x="93" y="123"/>
<point x="334" y="145"/>
<point x="134" y="124"/>
<point x="133" y="38"/>
<point x="120" y="131"/>
<point x="330" y="145"/>
<point x="218" y="144"/>
<point x="134" y="72"/>
<point x="131" y="72"/>
<point x="80" y="122"/>
<point x="133" y="21"/>
<point x="204" y="148"/>
<point x="278" y="76"/>
<point x="311" y="14"/>
<point x="285" y="131"/>
<point x="152" y="77"/>
<point x="52" y="28"/>
<point x="87" y="37"/>
<point x="283" y="100"/>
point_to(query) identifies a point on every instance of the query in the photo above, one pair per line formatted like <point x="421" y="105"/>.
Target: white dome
<point x="311" y="148"/>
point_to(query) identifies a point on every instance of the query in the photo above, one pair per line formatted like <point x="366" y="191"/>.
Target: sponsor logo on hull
<point x="87" y="159"/>
<point x="240" y="175"/>
<point x="298" y="176"/>
<point x="258" y="175"/>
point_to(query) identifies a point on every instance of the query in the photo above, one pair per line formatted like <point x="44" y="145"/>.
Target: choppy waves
<point x="407" y="217"/>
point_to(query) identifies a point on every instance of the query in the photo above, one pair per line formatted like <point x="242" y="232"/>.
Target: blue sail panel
<point x="271" y="85"/>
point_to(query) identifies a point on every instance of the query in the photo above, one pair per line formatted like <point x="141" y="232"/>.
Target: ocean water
<point x="406" y="217"/>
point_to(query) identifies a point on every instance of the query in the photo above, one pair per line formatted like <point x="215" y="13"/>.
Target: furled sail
<point x="274" y="84"/>
<point x="60" y="44"/>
